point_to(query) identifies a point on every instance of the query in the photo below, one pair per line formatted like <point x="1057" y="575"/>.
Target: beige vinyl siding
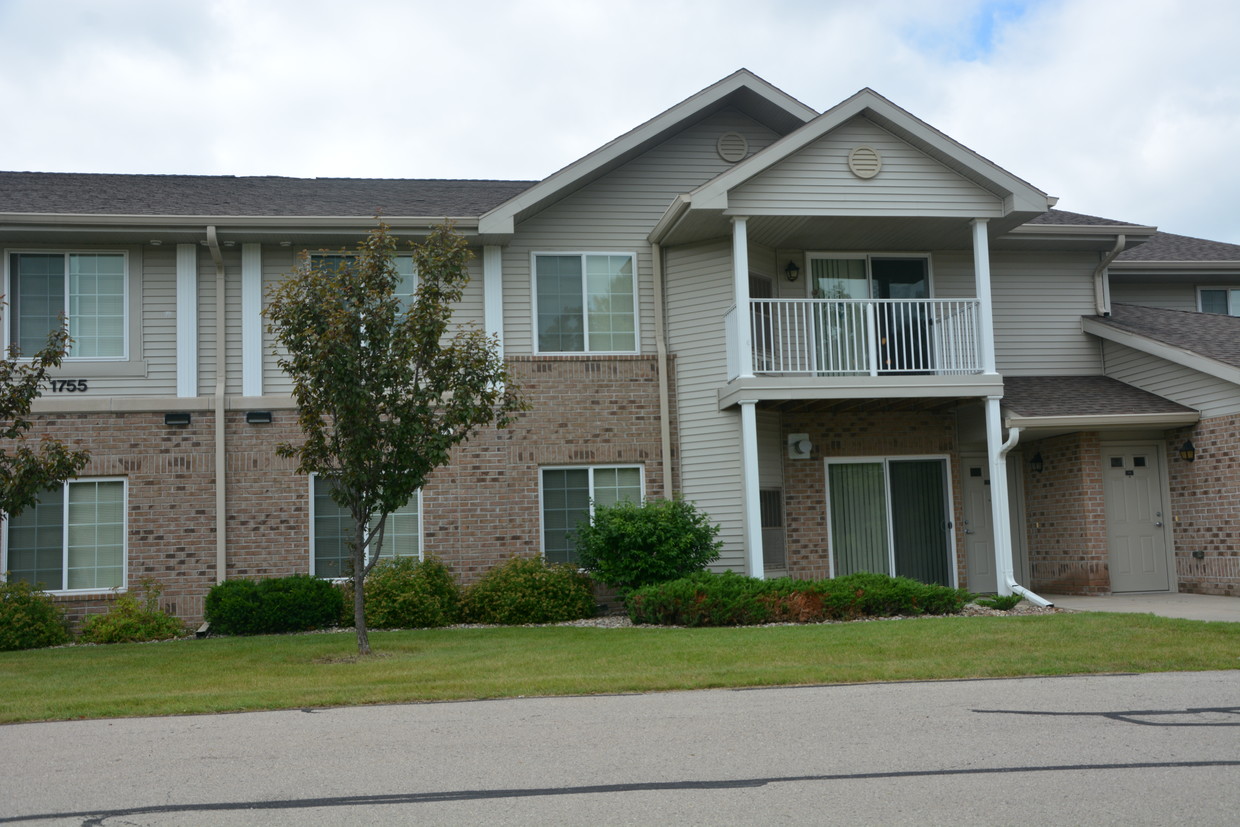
<point x="1167" y="296"/>
<point x="158" y="337"/>
<point x="952" y="276"/>
<point x="770" y="450"/>
<point x="207" y="330"/>
<point x="277" y="262"/>
<point x="699" y="294"/>
<point x="1208" y="394"/>
<point x="816" y="181"/>
<point x="615" y="214"/>
<point x="1038" y="301"/>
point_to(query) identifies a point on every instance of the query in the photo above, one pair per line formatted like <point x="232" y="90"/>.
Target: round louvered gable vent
<point x="732" y="147"/>
<point x="865" y="162"/>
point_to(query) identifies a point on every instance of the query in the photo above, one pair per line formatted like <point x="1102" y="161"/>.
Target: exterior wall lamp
<point x="177" y="418"/>
<point x="1188" y="452"/>
<point x="1036" y="465"/>
<point x="792" y="271"/>
<point x="258" y="417"/>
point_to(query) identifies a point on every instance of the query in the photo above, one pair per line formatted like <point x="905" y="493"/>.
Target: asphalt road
<point x="1123" y="749"/>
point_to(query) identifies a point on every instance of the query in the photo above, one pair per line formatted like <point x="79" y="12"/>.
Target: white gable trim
<point x="1171" y="353"/>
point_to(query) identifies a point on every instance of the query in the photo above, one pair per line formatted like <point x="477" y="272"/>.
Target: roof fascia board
<point x="1171" y="353"/>
<point x="1101" y="231"/>
<point x="57" y="220"/>
<point x="1080" y="422"/>
<point x="502" y="219"/>
<point x="1017" y="195"/>
<point x="1178" y="266"/>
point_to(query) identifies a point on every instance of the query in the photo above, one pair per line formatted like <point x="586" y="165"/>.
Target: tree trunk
<point x="359" y="591"/>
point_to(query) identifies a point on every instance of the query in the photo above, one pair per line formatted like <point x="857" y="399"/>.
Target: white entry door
<point x="979" y="535"/>
<point x="1136" y="518"/>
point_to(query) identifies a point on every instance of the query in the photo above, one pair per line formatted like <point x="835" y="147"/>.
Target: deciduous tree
<point x="383" y="391"/>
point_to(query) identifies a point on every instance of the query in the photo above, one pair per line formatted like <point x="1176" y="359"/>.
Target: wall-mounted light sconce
<point x="799" y="446"/>
<point x="1036" y="465"/>
<point x="155" y="242"/>
<point x="792" y="271"/>
<point x="1188" y="452"/>
<point x="178" y="418"/>
<point x="258" y="417"/>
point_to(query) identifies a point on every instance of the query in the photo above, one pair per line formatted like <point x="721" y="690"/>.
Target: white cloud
<point x="1124" y="109"/>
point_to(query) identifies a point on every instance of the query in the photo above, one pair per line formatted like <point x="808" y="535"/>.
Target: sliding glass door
<point x="890" y="516"/>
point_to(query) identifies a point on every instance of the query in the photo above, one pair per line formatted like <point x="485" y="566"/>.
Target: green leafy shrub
<point x="29" y="619"/>
<point x="628" y="546"/>
<point x="528" y="590"/>
<point x="731" y="599"/>
<point x="296" y="603"/>
<point x="131" y="621"/>
<point x="1001" y="602"/>
<point x="403" y="593"/>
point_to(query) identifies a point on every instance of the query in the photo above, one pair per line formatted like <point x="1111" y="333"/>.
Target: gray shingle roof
<point x="1081" y="396"/>
<point x="225" y="195"/>
<point x="1207" y="334"/>
<point x="1171" y="247"/>
<point x="1062" y="217"/>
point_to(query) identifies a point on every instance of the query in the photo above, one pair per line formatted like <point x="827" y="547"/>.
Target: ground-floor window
<point x="331" y="529"/>
<point x="890" y="516"/>
<point x="73" y="539"/>
<point x="568" y="499"/>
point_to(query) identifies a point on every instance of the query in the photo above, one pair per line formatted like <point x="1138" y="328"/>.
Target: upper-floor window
<point x="585" y="302"/>
<point x="87" y="289"/>
<point x="73" y="539"/>
<point x="332" y="530"/>
<point x="404" y="267"/>
<point x="1225" y="300"/>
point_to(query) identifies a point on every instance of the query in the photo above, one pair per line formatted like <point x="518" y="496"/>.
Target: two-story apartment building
<point x="854" y="342"/>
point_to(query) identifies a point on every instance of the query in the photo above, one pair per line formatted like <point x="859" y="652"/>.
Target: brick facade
<point x="476" y="512"/>
<point x="1204" y="494"/>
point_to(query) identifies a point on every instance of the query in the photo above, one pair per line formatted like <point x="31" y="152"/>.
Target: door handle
<point x="1158" y="525"/>
<point x="968" y="531"/>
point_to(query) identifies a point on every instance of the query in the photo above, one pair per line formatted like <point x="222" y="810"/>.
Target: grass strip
<point x="315" y="670"/>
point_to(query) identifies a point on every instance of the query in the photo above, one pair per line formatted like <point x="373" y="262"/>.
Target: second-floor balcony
<point x="856" y="338"/>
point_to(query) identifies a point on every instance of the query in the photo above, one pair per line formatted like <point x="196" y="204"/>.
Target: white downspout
<point x="660" y="345"/>
<point x="221" y="369"/>
<point x="1000" y="514"/>
<point x="1102" y="293"/>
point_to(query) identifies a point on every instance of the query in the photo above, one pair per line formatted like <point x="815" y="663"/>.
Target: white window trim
<point x="64" y="544"/>
<point x="637" y="328"/>
<point x="421" y="534"/>
<point x="1226" y="288"/>
<point x="867" y="257"/>
<point x="948" y="493"/>
<point x="542" y="532"/>
<point x="126" y="279"/>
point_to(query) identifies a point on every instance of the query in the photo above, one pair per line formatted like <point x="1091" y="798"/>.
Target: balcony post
<point x="981" y="277"/>
<point x="750" y="501"/>
<point x="740" y="288"/>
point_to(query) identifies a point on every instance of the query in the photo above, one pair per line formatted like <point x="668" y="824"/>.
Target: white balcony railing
<point x="850" y="337"/>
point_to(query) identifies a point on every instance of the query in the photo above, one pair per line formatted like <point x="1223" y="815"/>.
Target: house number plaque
<point x="68" y="385"/>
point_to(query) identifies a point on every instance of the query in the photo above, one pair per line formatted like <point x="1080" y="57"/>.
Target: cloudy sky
<point x="1128" y="109"/>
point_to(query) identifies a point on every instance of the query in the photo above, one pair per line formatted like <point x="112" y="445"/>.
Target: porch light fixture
<point x="258" y="417"/>
<point x="178" y="419"/>
<point x="792" y="271"/>
<point x="1036" y="465"/>
<point x="1188" y="452"/>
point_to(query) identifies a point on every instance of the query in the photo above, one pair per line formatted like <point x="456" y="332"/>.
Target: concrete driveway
<point x="1188" y="606"/>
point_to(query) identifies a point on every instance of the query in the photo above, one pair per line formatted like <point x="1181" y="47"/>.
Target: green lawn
<point x="226" y="674"/>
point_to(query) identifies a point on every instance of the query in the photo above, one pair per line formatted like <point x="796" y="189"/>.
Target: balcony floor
<point x="784" y="388"/>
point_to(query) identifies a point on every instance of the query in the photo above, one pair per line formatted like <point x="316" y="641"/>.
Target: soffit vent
<point x="732" y="147"/>
<point x="865" y="162"/>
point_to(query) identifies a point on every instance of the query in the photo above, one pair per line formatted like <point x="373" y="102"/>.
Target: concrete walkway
<point x="1188" y="606"/>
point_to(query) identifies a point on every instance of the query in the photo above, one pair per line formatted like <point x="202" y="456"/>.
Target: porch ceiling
<point x="883" y="391"/>
<point x="838" y="406"/>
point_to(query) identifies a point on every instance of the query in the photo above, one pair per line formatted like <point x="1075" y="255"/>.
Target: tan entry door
<point x="1136" y="518"/>
<point x="979" y="536"/>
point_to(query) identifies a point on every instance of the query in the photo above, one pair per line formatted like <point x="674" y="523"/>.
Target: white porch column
<point x="493" y="293"/>
<point x="985" y="312"/>
<point x="749" y="489"/>
<point x="251" y="319"/>
<point x="187" y="320"/>
<point x="1000" y="517"/>
<point x="740" y="287"/>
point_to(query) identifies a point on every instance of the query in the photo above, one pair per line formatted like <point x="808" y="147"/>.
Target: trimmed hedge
<point x="29" y="619"/>
<point x="297" y="603"/>
<point x="627" y="546"/>
<point x="405" y="593"/>
<point x="528" y="590"/>
<point x="132" y="621"/>
<point x="731" y="599"/>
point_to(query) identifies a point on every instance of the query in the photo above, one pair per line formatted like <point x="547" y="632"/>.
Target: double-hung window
<point x="568" y="499"/>
<point x="586" y="302"/>
<point x="332" y="531"/>
<point x="403" y="263"/>
<point x="73" y="539"/>
<point x="87" y="289"/>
